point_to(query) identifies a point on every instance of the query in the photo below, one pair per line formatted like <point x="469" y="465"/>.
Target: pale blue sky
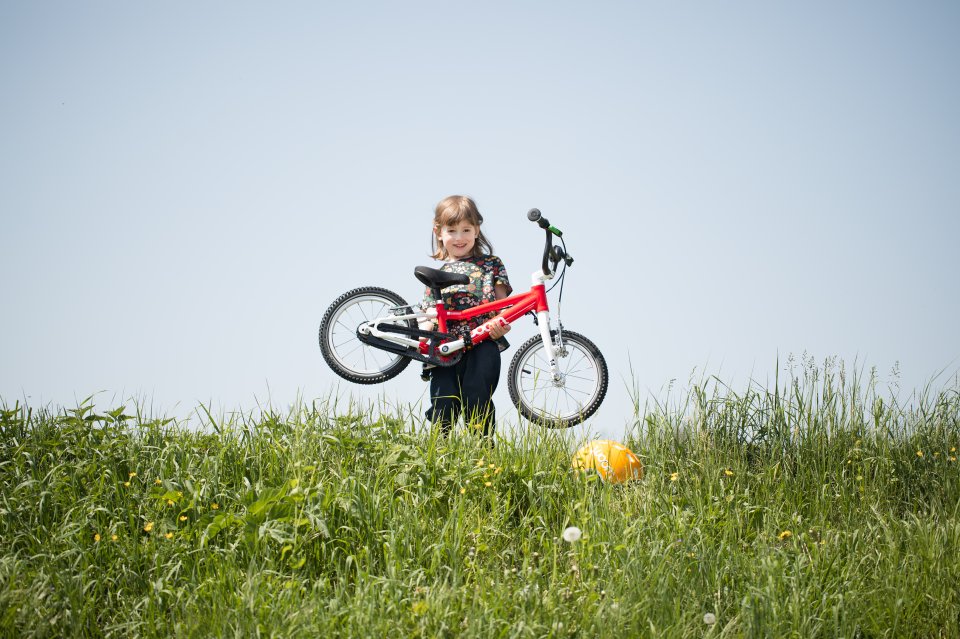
<point x="185" y="187"/>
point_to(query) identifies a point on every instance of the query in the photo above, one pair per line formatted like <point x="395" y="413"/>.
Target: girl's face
<point x="458" y="239"/>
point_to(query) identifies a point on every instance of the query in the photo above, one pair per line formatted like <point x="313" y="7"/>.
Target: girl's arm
<point x="426" y="324"/>
<point x="500" y="291"/>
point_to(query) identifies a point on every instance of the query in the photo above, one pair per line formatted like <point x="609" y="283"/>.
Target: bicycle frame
<point x="516" y="306"/>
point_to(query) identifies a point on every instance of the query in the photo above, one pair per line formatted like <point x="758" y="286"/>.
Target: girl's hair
<point x="452" y="211"/>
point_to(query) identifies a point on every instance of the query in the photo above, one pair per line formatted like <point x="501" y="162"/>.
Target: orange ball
<point x="611" y="460"/>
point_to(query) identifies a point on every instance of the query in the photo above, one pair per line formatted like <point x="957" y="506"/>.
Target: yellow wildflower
<point x="952" y="458"/>
<point x="953" y="449"/>
<point x="113" y="538"/>
<point x="148" y="527"/>
<point x="480" y="462"/>
<point x="215" y="506"/>
<point x="786" y="534"/>
<point x="131" y="475"/>
<point x="126" y="484"/>
<point x="674" y="476"/>
<point x="158" y="481"/>
<point x="919" y="453"/>
<point x="463" y="491"/>
<point x="183" y="517"/>
<point x="96" y="537"/>
<point x="498" y="471"/>
<point x="492" y="466"/>
<point x="169" y="535"/>
<point x="169" y="502"/>
<point x="728" y="472"/>
<point x="487" y="484"/>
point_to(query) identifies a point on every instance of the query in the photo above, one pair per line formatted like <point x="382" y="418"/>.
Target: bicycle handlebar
<point x="534" y="215"/>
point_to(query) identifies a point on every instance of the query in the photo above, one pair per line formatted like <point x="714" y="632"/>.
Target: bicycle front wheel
<point x="571" y="398"/>
<point x="343" y="351"/>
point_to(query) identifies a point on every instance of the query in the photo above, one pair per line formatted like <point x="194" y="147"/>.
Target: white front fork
<point x="543" y="322"/>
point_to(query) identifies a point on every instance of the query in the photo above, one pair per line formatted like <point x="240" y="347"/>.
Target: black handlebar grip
<point x="533" y="215"/>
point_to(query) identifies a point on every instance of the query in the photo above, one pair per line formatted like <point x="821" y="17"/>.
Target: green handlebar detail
<point x="555" y="231"/>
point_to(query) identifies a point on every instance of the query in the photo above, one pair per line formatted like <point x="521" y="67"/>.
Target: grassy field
<point x="819" y="507"/>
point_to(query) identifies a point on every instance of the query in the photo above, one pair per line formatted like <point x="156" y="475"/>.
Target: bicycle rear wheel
<point x="343" y="351"/>
<point x="563" y="402"/>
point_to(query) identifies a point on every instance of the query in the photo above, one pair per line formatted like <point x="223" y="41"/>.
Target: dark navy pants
<point x="466" y="388"/>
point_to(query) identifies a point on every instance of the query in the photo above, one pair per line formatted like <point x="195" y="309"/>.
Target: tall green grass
<point x="821" y="506"/>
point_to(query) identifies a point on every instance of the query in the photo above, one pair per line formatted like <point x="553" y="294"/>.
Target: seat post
<point x="441" y="311"/>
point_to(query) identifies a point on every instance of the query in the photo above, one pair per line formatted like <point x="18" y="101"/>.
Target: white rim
<point x="578" y="390"/>
<point x="343" y="344"/>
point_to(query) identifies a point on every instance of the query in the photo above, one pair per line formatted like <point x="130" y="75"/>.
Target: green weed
<point x="818" y="507"/>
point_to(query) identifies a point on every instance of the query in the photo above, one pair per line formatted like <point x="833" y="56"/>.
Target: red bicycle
<point x="557" y="378"/>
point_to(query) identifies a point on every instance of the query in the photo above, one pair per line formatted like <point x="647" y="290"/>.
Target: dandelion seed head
<point x="572" y="534"/>
<point x="709" y="618"/>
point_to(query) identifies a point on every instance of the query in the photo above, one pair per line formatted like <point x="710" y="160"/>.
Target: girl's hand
<point x="498" y="330"/>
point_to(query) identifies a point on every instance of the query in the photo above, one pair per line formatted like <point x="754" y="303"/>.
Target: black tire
<point x="558" y="404"/>
<point x="343" y="351"/>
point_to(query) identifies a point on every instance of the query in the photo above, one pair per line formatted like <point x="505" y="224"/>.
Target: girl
<point x="467" y="387"/>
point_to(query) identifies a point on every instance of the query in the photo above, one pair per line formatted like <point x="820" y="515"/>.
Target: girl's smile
<point x="458" y="239"/>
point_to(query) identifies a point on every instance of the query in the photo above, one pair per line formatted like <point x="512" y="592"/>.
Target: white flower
<point x="709" y="619"/>
<point x="572" y="534"/>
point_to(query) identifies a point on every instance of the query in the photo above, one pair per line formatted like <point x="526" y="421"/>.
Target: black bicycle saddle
<point x="435" y="278"/>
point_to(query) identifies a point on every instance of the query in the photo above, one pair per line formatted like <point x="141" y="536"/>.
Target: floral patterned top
<point x="485" y="273"/>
